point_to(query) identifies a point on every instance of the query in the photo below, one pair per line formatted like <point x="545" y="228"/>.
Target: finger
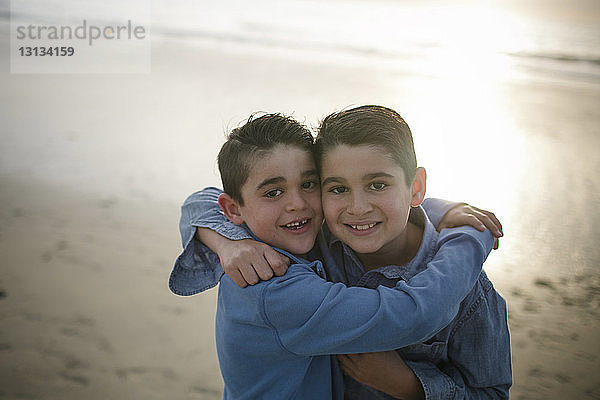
<point x="237" y="278"/>
<point x="494" y="222"/>
<point x="475" y="222"/>
<point x="262" y="268"/>
<point x="249" y="274"/>
<point x="496" y="243"/>
<point x="490" y="221"/>
<point x="278" y="262"/>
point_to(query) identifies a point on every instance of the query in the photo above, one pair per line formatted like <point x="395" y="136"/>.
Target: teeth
<point x="296" y="224"/>
<point x="363" y="227"/>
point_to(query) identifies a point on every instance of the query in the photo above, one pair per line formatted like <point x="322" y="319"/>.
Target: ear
<point x="230" y="208"/>
<point x="418" y="187"/>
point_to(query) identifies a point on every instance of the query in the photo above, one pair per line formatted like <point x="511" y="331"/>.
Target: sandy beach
<point x="93" y="169"/>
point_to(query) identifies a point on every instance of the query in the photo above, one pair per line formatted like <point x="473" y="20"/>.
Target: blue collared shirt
<point x="274" y="339"/>
<point x="469" y="358"/>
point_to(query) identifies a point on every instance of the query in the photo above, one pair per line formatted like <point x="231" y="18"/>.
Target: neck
<point x="399" y="252"/>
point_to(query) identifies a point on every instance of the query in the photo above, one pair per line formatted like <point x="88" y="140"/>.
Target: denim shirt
<point x="469" y="358"/>
<point x="274" y="339"/>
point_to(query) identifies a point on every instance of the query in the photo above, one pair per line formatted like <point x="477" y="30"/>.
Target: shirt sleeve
<point x="479" y="353"/>
<point x="311" y="316"/>
<point x="449" y="384"/>
<point x="201" y="210"/>
<point x="198" y="268"/>
<point x="437" y="208"/>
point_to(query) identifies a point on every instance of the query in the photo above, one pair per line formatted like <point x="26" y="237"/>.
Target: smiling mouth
<point x="296" y="225"/>
<point x="362" y="227"/>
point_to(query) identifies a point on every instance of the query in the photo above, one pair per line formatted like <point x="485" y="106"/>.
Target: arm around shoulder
<point x="245" y="260"/>
<point x="312" y="316"/>
<point x="201" y="210"/>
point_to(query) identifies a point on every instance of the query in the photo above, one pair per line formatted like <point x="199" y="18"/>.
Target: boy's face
<point x="366" y="201"/>
<point x="282" y="199"/>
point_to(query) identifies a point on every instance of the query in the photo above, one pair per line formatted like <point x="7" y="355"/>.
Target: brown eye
<point x="273" y="193"/>
<point x="338" y="189"/>
<point x="308" y="185"/>
<point x="377" y="186"/>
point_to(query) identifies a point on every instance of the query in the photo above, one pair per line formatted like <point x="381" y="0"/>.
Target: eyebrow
<point x="278" y="179"/>
<point x="332" y="179"/>
<point x="368" y="177"/>
<point x="374" y="175"/>
<point x="270" y="181"/>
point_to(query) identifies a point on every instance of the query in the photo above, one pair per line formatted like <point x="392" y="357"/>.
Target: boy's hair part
<point x="370" y="125"/>
<point x="253" y="140"/>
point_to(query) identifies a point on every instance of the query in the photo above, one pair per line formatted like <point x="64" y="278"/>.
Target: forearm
<point x="211" y="239"/>
<point x="381" y="372"/>
<point x="205" y="229"/>
<point x="198" y="268"/>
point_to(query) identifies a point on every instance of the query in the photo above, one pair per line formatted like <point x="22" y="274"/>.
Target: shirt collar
<point x="417" y="264"/>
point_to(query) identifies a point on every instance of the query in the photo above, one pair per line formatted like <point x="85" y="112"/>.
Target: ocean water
<point x="490" y="41"/>
<point x="438" y="39"/>
<point x="487" y="40"/>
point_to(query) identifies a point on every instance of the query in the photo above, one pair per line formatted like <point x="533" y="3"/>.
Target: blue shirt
<point x="274" y="339"/>
<point x="469" y="358"/>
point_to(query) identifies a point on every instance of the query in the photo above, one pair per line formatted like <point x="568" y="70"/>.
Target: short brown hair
<point x="251" y="141"/>
<point x="370" y="125"/>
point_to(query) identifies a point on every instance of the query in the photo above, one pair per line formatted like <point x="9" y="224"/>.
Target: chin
<point x="363" y="248"/>
<point x="296" y="248"/>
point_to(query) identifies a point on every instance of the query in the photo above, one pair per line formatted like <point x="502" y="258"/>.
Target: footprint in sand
<point x="78" y="379"/>
<point x="128" y="372"/>
<point x="5" y="346"/>
<point x="594" y="391"/>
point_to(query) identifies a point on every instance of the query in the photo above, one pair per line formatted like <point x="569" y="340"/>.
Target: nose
<point x="296" y="201"/>
<point x="358" y="204"/>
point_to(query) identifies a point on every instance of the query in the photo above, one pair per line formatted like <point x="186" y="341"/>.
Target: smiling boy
<point x="274" y="339"/>
<point x="370" y="180"/>
<point x="292" y="226"/>
<point x="367" y="206"/>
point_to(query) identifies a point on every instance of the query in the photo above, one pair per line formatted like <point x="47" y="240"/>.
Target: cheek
<point x="397" y="210"/>
<point x="330" y="209"/>
<point x="262" y="217"/>
<point x="315" y="202"/>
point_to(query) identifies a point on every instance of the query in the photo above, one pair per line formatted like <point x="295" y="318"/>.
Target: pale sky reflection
<point x="467" y="136"/>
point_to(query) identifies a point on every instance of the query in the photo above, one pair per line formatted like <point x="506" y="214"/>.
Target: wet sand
<point x="85" y="309"/>
<point x="94" y="168"/>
